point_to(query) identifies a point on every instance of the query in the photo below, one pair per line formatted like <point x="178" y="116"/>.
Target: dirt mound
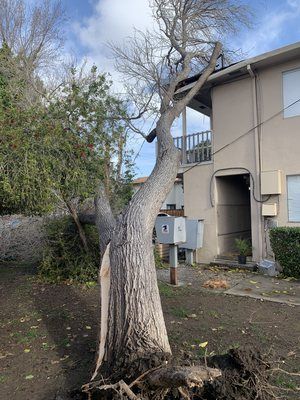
<point x="245" y="375"/>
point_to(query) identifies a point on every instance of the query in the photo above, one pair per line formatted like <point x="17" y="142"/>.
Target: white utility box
<point x="170" y="230"/>
<point x="194" y="234"/>
<point x="271" y="182"/>
<point x="269" y="210"/>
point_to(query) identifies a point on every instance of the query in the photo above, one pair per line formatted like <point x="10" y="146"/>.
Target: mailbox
<point x="170" y="230"/>
<point x="194" y="234"/>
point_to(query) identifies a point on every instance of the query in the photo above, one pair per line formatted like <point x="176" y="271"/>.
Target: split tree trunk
<point x="136" y="338"/>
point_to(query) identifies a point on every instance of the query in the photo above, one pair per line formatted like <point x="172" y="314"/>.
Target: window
<point x="171" y="206"/>
<point x="293" y="188"/>
<point x="291" y="92"/>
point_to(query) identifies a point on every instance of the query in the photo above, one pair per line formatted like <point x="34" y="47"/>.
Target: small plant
<point x="244" y="248"/>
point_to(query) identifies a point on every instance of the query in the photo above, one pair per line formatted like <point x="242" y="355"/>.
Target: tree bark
<point x="136" y="338"/>
<point x="135" y="334"/>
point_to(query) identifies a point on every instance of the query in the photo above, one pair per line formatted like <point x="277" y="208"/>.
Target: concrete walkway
<point x="266" y="288"/>
<point x="240" y="283"/>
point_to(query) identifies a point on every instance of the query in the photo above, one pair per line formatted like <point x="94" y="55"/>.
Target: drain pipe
<point x="257" y="147"/>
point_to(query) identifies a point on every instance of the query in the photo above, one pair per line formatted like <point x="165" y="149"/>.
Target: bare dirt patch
<point x="48" y="332"/>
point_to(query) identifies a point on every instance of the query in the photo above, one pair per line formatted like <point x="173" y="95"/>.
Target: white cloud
<point x="111" y="21"/>
<point x="267" y="35"/>
<point x="114" y="20"/>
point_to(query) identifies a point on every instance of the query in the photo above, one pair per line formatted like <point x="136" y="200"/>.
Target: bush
<point x="285" y="244"/>
<point x="64" y="258"/>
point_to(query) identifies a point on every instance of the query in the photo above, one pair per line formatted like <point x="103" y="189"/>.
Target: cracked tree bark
<point x="133" y="334"/>
<point x="135" y="331"/>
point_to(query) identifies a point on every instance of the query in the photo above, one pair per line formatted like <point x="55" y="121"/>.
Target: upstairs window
<point x="171" y="206"/>
<point x="291" y="92"/>
<point x="293" y="186"/>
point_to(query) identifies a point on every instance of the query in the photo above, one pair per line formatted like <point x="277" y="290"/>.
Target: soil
<point x="48" y="332"/>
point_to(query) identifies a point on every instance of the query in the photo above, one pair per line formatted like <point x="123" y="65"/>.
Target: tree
<point x="92" y="143"/>
<point x="53" y="154"/>
<point x="34" y="35"/>
<point x="186" y="39"/>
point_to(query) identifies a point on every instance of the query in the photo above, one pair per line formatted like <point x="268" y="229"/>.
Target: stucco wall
<point x="175" y="197"/>
<point x="233" y="114"/>
<point x="280" y="136"/>
<point x="197" y="206"/>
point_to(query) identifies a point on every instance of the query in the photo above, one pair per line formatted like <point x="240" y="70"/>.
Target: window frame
<point x="283" y="73"/>
<point x="287" y="199"/>
<point x="171" y="206"/>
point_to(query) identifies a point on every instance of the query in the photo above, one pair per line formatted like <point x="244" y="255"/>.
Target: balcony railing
<point x="195" y="148"/>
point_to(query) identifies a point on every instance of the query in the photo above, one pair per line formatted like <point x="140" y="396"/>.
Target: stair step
<point x="223" y="263"/>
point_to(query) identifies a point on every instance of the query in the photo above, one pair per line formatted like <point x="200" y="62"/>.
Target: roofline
<point x="283" y="53"/>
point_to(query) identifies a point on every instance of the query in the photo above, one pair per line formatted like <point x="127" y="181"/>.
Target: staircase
<point x="229" y="261"/>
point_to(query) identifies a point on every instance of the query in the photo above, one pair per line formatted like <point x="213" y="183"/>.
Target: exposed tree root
<point x="156" y="383"/>
<point x="242" y="374"/>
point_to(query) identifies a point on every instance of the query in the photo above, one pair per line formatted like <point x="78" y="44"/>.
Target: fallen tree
<point x="133" y="339"/>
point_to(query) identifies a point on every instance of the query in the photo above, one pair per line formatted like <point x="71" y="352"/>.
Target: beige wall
<point x="174" y="197"/>
<point x="280" y="136"/>
<point x="197" y="206"/>
<point x="233" y="114"/>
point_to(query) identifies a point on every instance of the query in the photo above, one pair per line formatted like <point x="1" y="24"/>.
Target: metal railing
<point x="195" y="148"/>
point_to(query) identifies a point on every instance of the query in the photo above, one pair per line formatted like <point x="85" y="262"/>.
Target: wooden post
<point x="173" y="259"/>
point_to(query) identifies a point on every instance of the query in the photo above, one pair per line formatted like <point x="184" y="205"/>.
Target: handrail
<point x="195" y="147"/>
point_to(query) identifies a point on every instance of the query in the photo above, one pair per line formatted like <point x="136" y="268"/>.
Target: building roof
<point x="140" y="180"/>
<point x="143" y="179"/>
<point x="238" y="69"/>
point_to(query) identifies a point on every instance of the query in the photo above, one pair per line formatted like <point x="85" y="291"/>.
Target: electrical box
<point x="271" y="182"/>
<point x="194" y="234"/>
<point x="269" y="210"/>
<point x="170" y="230"/>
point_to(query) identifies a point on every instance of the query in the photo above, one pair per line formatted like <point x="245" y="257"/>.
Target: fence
<point x="195" y="148"/>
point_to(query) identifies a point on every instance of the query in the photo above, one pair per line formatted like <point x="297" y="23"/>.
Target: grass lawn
<point x="48" y="332"/>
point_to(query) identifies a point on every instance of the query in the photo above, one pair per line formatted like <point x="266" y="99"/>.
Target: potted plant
<point x="244" y="248"/>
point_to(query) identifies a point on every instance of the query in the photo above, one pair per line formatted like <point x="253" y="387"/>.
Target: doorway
<point x="233" y="212"/>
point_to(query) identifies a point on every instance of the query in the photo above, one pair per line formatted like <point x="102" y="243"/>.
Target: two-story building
<point x="243" y="176"/>
<point x="174" y="202"/>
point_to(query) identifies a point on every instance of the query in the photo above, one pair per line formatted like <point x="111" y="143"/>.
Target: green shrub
<point x="243" y="246"/>
<point x="285" y="244"/>
<point x="159" y="264"/>
<point x="64" y="258"/>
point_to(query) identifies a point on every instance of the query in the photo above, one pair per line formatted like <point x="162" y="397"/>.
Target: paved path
<point x="241" y="283"/>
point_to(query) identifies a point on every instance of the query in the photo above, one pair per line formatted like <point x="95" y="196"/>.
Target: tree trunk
<point x="136" y="338"/>
<point x="78" y="224"/>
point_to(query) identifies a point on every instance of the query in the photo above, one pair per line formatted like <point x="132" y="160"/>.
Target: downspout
<point x="184" y="136"/>
<point x="257" y="154"/>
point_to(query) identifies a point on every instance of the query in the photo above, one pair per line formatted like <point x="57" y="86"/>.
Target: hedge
<point x="285" y="242"/>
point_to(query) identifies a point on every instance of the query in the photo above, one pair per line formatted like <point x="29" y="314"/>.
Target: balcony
<point x="195" y="148"/>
